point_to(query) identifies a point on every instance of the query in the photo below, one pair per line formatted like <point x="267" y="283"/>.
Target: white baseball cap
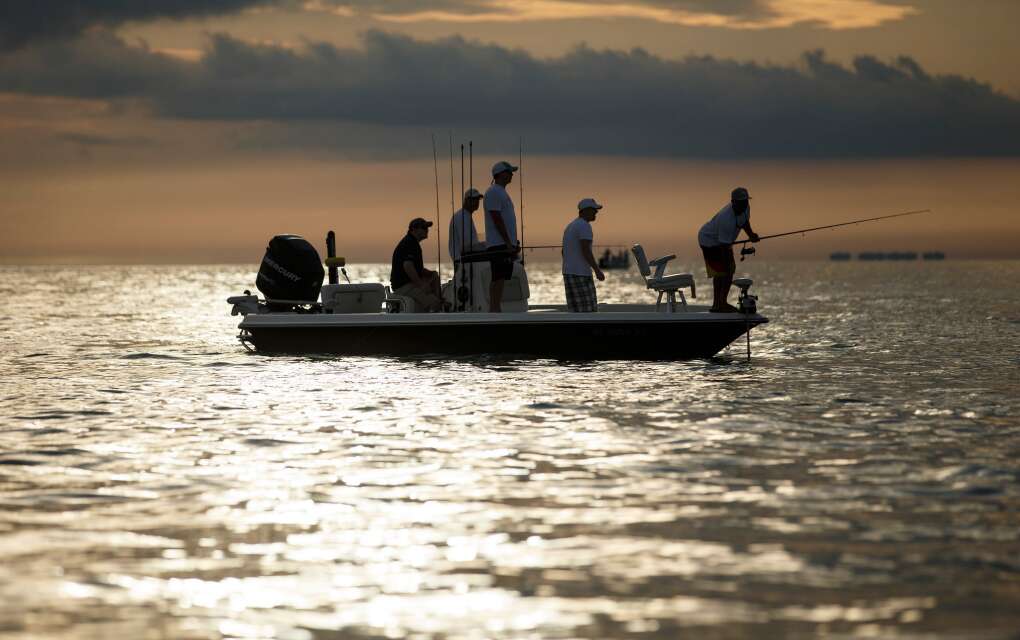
<point x="502" y="166"/>
<point x="472" y="193"/>
<point x="588" y="203"/>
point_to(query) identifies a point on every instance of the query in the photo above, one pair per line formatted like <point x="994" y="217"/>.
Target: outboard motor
<point x="291" y="270"/>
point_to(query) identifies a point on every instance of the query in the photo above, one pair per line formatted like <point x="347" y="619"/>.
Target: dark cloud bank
<point x="26" y="21"/>
<point x="587" y="101"/>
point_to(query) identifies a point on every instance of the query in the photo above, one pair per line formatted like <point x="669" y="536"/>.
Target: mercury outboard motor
<point x="291" y="270"/>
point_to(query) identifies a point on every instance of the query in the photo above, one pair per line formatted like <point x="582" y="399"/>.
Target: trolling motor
<point x="746" y="302"/>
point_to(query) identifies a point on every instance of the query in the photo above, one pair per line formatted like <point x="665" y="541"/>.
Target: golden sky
<point x="186" y="134"/>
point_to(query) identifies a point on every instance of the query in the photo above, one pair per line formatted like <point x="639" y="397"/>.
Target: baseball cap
<point x="472" y="193"/>
<point x="502" y="166"/>
<point x="419" y="222"/>
<point x="588" y="203"/>
<point x="739" y="193"/>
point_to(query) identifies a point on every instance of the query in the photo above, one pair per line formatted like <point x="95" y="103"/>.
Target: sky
<point x="193" y="131"/>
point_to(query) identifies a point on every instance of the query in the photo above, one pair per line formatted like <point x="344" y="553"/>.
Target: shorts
<point x="424" y="301"/>
<point x="502" y="265"/>
<point x="581" y="296"/>
<point x="719" y="261"/>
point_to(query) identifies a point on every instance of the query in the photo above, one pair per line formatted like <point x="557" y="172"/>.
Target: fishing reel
<point x="746" y="251"/>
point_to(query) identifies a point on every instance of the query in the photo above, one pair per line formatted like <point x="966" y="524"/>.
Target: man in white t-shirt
<point x="578" y="260"/>
<point x="500" y="231"/>
<point x="463" y="237"/>
<point x="716" y="238"/>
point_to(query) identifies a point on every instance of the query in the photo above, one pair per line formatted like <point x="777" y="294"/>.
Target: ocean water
<point x="858" y="477"/>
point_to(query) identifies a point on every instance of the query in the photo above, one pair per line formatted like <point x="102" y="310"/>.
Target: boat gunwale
<point x="299" y="320"/>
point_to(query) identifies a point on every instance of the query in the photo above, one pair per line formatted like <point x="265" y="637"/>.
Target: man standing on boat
<point x="578" y="260"/>
<point x="463" y="235"/>
<point x="408" y="275"/>
<point x="500" y="232"/>
<point x="716" y="239"/>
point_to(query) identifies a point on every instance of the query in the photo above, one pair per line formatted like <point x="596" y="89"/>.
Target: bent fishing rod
<point x="748" y="251"/>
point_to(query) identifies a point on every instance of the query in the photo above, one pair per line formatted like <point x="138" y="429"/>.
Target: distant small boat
<point x="839" y="256"/>
<point x="900" y="256"/>
<point x="614" y="261"/>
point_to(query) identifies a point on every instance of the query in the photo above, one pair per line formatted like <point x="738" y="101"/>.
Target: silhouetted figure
<point x="716" y="239"/>
<point x="408" y="275"/>
<point x="463" y="235"/>
<point x="500" y="231"/>
<point x="578" y="261"/>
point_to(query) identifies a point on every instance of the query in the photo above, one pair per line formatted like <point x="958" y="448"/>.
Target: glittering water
<point x="859" y="477"/>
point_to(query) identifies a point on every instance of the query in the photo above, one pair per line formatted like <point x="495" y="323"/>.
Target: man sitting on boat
<point x="463" y="235"/>
<point x="578" y="261"/>
<point x="500" y="231"/>
<point x="408" y="275"/>
<point x="716" y="239"/>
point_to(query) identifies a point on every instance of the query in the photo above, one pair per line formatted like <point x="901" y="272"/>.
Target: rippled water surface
<point x="858" y="477"/>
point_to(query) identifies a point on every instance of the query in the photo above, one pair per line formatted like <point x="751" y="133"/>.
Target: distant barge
<point x="895" y="256"/>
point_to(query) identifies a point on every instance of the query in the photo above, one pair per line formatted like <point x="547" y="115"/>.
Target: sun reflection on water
<point x="158" y="481"/>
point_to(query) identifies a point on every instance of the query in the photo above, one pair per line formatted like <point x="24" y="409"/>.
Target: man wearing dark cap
<point x="408" y="275"/>
<point x="716" y="239"/>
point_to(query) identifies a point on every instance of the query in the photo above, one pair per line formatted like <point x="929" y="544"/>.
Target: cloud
<point x="733" y="14"/>
<point x="25" y="21"/>
<point x="585" y="102"/>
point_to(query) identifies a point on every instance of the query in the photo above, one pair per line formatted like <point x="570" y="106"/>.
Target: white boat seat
<point x="669" y="285"/>
<point x="396" y="303"/>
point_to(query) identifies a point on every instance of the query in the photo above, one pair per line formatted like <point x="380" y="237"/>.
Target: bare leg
<point x="435" y="285"/>
<point x="718" y="295"/>
<point x="721" y="291"/>
<point x="496" y="296"/>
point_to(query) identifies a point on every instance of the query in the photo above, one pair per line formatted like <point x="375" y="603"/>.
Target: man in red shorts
<point x="716" y="239"/>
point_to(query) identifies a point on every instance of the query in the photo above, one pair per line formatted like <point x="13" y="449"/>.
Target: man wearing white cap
<point x="463" y="235"/>
<point x="716" y="239"/>
<point x="578" y="260"/>
<point x="500" y="231"/>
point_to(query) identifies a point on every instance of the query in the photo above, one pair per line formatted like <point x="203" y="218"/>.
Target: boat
<point x="367" y="319"/>
<point x="610" y="260"/>
<point x="900" y="256"/>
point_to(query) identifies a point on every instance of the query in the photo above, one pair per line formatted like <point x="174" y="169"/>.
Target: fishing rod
<point x="560" y="246"/>
<point x="520" y="184"/>
<point x="435" y="169"/>
<point x="748" y="251"/>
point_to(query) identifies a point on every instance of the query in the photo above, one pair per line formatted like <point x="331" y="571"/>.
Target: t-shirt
<point x="573" y="258"/>
<point x="408" y="249"/>
<point x="723" y="228"/>
<point x="462" y="227"/>
<point x="497" y="199"/>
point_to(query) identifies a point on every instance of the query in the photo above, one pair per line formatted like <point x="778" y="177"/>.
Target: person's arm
<point x="749" y="231"/>
<point x="497" y="219"/>
<point x="590" y="259"/>
<point x="412" y="273"/>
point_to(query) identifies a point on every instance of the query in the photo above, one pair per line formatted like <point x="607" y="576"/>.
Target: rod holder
<point x="334" y="277"/>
